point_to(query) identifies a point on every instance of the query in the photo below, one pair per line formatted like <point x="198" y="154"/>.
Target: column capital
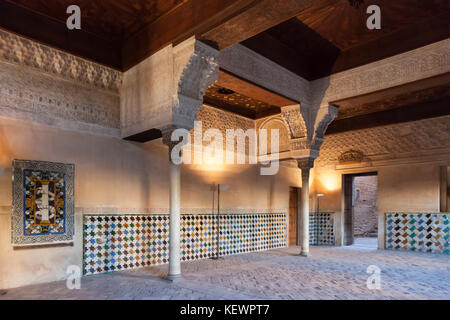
<point x="307" y="163"/>
<point x="167" y="140"/>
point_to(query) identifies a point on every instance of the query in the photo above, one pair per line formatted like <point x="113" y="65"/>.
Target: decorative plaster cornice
<point x="414" y="65"/>
<point x="21" y="51"/>
<point x="426" y="140"/>
<point x="250" y="65"/>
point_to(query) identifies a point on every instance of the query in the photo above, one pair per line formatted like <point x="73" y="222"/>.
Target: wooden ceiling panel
<point x="331" y="35"/>
<point x="345" y="27"/>
<point x="246" y="88"/>
<point x="113" y="20"/>
<point x="232" y="101"/>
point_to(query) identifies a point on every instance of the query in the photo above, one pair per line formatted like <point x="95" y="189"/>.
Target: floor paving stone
<point x="329" y="273"/>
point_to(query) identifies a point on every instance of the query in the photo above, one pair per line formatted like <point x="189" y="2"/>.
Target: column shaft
<point x="305" y="212"/>
<point x="174" y="224"/>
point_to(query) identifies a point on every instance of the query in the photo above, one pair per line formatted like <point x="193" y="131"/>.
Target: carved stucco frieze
<point x="414" y="65"/>
<point x="351" y="156"/>
<point x="252" y="66"/>
<point x="294" y="119"/>
<point x="44" y="85"/>
<point x="21" y="51"/>
<point x="423" y="138"/>
<point x="276" y="123"/>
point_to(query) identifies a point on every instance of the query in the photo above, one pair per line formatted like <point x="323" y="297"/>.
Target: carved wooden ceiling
<point x="332" y="36"/>
<point x="121" y="33"/>
<point x="239" y="96"/>
<point x="229" y="100"/>
<point x="112" y="20"/>
<point x="312" y="38"/>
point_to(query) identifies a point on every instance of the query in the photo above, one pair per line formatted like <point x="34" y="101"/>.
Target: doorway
<point x="293" y="216"/>
<point x="360" y="209"/>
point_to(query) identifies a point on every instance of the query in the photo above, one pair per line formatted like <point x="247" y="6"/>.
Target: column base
<point x="304" y="254"/>
<point x="174" y="277"/>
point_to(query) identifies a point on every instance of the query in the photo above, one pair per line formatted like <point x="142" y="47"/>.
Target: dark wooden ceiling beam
<point x="194" y="17"/>
<point x="419" y="111"/>
<point x="271" y="48"/>
<point x="257" y="18"/>
<point x="254" y="91"/>
<point x="54" y="33"/>
<point x="403" y="95"/>
<point x="435" y="29"/>
<point x="221" y="23"/>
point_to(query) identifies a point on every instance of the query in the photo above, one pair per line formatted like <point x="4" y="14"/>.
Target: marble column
<point x="305" y="166"/>
<point x="175" y="214"/>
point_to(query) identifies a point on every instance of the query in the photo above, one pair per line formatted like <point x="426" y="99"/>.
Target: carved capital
<point x="305" y="164"/>
<point x="167" y="140"/>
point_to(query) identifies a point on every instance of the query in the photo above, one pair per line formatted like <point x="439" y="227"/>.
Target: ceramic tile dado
<point x="425" y="232"/>
<point x="120" y="242"/>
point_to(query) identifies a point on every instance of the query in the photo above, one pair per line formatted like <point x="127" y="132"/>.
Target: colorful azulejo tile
<point x="198" y="237"/>
<point x="120" y="242"/>
<point x="424" y="232"/>
<point x="321" y="228"/>
<point x="252" y="232"/>
<point x="42" y="202"/>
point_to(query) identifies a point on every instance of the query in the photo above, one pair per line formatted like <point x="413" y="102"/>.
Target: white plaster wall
<point x="112" y="175"/>
<point x="146" y="93"/>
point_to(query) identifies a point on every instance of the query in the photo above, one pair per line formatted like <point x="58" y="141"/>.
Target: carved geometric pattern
<point x="421" y="63"/>
<point x="294" y="120"/>
<point x="351" y="156"/>
<point x="276" y="123"/>
<point x="23" y="52"/>
<point x="423" y="135"/>
<point x="424" y="232"/>
<point x="113" y="242"/>
<point x="321" y="228"/>
<point x="238" y="103"/>
<point x="47" y="99"/>
<point x="48" y="86"/>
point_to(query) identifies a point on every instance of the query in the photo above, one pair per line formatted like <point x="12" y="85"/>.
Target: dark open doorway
<point x="360" y="208"/>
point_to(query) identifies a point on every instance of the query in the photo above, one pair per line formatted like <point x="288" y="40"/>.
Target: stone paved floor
<point x="330" y="273"/>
